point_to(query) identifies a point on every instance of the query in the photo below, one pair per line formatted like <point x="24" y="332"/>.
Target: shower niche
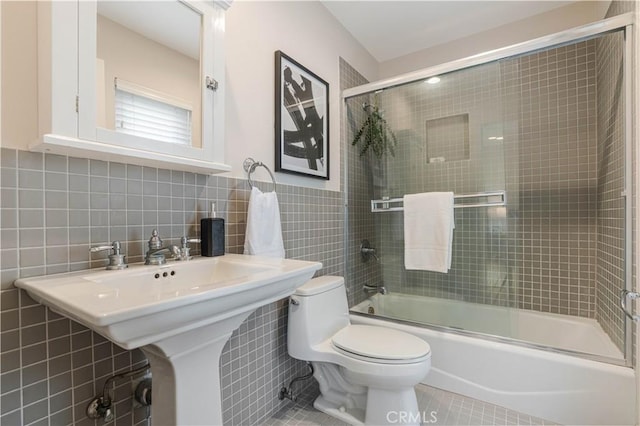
<point x="447" y="139"/>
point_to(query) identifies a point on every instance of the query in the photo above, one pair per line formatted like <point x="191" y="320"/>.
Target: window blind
<point x="147" y="113"/>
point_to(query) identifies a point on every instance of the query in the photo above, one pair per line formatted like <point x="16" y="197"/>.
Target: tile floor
<point x="448" y="409"/>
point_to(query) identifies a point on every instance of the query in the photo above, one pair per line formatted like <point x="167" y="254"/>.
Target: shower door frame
<point x="570" y="36"/>
<point x="623" y="23"/>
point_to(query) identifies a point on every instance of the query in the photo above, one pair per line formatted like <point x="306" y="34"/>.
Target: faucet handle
<point x="96" y="249"/>
<point x="185" y="249"/>
<point x="185" y="241"/>
<point x="155" y="242"/>
<point x="116" y="259"/>
<point x="115" y="246"/>
<point x="366" y="251"/>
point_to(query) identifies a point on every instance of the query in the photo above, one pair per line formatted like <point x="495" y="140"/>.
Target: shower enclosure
<point x="534" y="141"/>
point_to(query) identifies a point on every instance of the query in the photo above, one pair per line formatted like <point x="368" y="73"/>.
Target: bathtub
<point x="550" y="384"/>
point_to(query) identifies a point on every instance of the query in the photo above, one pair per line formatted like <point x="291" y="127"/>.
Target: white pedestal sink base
<point x="186" y="374"/>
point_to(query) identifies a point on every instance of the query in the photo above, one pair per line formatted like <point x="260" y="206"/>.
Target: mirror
<point x="148" y="70"/>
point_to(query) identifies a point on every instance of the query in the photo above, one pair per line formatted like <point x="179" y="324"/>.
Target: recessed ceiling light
<point x="433" y="80"/>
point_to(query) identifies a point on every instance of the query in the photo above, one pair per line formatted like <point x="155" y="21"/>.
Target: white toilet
<point x="366" y="373"/>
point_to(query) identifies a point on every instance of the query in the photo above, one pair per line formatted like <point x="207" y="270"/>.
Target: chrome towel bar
<point x="395" y="204"/>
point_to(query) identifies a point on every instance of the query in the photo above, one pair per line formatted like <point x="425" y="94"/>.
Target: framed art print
<point x="302" y="120"/>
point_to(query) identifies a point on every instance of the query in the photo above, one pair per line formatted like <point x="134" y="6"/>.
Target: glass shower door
<point x="546" y="131"/>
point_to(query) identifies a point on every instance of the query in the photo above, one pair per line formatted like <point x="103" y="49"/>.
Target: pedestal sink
<point x="180" y="314"/>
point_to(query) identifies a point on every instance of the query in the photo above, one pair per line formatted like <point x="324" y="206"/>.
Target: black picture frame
<point x="302" y="119"/>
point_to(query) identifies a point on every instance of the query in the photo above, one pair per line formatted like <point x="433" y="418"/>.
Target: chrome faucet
<point x="156" y="253"/>
<point x="373" y="289"/>
<point x="158" y="257"/>
<point x="116" y="259"/>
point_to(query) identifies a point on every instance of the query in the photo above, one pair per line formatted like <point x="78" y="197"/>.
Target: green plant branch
<point x="376" y="135"/>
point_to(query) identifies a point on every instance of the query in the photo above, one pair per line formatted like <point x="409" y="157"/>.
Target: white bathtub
<point x="554" y="386"/>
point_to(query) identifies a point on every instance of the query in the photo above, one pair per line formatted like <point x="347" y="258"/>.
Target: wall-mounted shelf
<point x="56" y="144"/>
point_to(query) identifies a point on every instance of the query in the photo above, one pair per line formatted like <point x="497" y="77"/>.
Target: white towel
<point x="264" y="231"/>
<point x="428" y="231"/>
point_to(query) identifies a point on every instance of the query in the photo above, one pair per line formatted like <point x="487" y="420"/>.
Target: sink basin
<point x="132" y="307"/>
<point x="180" y="314"/>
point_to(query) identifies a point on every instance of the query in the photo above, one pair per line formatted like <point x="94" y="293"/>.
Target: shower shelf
<point x="497" y="198"/>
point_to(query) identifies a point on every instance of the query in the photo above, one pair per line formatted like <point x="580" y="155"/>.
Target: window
<point x="145" y="112"/>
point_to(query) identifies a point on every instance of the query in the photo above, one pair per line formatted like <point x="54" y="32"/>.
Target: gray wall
<point x="557" y="180"/>
<point x="359" y="178"/>
<point x="54" y="208"/>
<point x="610" y="272"/>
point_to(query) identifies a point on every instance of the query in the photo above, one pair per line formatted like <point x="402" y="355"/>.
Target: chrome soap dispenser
<point x="212" y="234"/>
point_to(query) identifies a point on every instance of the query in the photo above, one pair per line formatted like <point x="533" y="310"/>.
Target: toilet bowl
<point x="366" y="374"/>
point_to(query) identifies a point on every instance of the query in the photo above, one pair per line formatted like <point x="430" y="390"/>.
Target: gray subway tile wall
<point x="358" y="182"/>
<point x="557" y="175"/>
<point x="610" y="254"/>
<point x="616" y="8"/>
<point x="557" y="152"/>
<point x="54" y="208"/>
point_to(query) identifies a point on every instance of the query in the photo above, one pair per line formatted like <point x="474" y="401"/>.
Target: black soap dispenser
<point x="212" y="234"/>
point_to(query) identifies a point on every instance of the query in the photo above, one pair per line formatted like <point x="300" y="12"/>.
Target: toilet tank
<point x="321" y="311"/>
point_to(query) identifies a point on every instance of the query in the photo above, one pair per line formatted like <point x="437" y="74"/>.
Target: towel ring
<point x="249" y="165"/>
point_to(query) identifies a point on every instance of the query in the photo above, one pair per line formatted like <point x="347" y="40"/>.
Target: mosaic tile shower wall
<point x="532" y="127"/>
<point x="610" y="272"/>
<point x="557" y="174"/>
<point x="360" y="177"/>
<point x="54" y="208"/>
<point x="617" y="8"/>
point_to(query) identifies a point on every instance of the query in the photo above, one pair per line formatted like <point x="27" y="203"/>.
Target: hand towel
<point x="264" y="231"/>
<point x="428" y="231"/>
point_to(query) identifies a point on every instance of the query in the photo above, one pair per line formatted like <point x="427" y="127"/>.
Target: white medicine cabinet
<point x="139" y="82"/>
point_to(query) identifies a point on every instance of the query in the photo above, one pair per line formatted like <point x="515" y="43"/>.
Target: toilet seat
<point x="380" y="344"/>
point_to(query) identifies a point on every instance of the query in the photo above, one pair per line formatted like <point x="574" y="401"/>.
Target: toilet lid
<point x="380" y="342"/>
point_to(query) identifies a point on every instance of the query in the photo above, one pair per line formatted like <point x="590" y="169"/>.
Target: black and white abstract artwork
<point x="302" y="120"/>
